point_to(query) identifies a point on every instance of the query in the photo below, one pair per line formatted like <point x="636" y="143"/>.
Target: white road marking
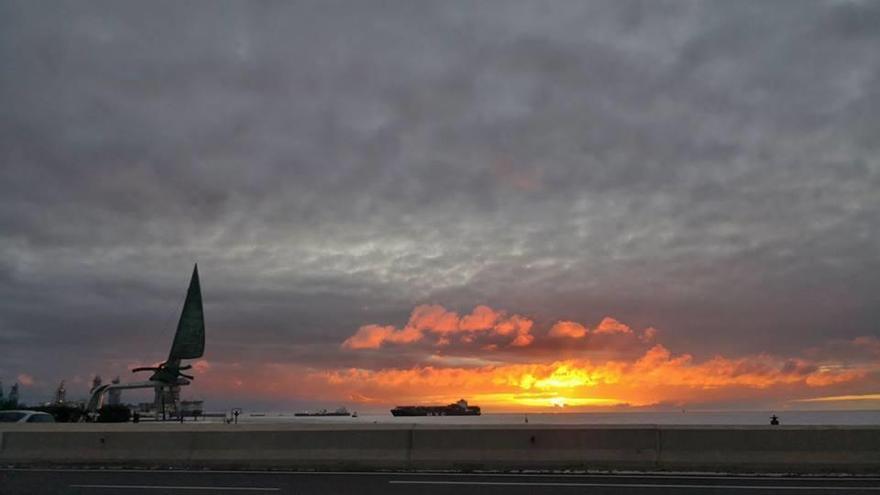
<point x="636" y="485"/>
<point x="650" y="475"/>
<point x="158" y="487"/>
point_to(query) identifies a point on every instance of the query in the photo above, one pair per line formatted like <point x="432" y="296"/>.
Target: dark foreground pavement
<point x="134" y="482"/>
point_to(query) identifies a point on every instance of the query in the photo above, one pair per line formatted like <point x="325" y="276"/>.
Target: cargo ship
<point x="323" y="412"/>
<point x="460" y="408"/>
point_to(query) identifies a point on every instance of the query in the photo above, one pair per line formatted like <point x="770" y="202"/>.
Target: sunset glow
<point x="609" y="364"/>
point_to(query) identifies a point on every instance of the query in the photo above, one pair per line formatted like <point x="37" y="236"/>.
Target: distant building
<point x="170" y="400"/>
<point x="96" y="382"/>
<point x="192" y="407"/>
<point x="60" y="394"/>
<point x="13" y="394"/>
<point x="114" y="396"/>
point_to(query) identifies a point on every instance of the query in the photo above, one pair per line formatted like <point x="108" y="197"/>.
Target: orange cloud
<point x="519" y="326"/>
<point x="435" y="319"/>
<point x="610" y="325"/>
<point x="843" y="398"/>
<point x="201" y="366"/>
<point x="373" y="336"/>
<point x="825" y="378"/>
<point x="568" y="329"/>
<point x="870" y="344"/>
<point x="25" y="379"/>
<point x="523" y="340"/>
<point x="481" y="318"/>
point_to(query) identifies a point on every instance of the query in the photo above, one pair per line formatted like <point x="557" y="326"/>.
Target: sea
<point x="786" y="417"/>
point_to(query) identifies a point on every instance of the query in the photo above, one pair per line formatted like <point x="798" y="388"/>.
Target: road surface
<point x="157" y="482"/>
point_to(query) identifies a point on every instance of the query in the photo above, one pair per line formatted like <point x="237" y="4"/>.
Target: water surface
<point x="596" y="418"/>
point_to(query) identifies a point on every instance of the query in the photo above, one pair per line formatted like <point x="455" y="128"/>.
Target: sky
<point x="533" y="205"/>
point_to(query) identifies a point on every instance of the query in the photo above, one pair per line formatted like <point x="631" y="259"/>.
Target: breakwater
<point x="854" y="449"/>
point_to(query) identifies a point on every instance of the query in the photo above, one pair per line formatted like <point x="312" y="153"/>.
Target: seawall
<point x="803" y="449"/>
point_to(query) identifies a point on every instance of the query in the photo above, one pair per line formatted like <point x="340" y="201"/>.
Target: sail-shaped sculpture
<point x="189" y="343"/>
<point x="189" y="339"/>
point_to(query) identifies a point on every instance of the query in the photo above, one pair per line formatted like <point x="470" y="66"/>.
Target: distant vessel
<point x="323" y="412"/>
<point x="460" y="408"/>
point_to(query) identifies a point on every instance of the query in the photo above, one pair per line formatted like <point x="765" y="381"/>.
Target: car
<point x="25" y="417"/>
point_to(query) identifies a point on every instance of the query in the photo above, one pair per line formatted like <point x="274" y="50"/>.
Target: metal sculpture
<point x="189" y="343"/>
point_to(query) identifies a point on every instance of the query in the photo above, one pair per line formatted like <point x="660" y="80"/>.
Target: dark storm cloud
<point x="707" y="168"/>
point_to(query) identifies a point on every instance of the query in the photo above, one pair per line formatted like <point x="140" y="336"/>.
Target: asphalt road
<point x="137" y="482"/>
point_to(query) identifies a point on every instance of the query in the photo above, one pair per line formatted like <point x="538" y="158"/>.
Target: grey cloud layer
<point x="707" y="168"/>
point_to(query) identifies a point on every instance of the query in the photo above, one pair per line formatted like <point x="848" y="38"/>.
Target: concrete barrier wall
<point x="365" y="447"/>
<point x="231" y="447"/>
<point x="536" y="447"/>
<point x="771" y="448"/>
